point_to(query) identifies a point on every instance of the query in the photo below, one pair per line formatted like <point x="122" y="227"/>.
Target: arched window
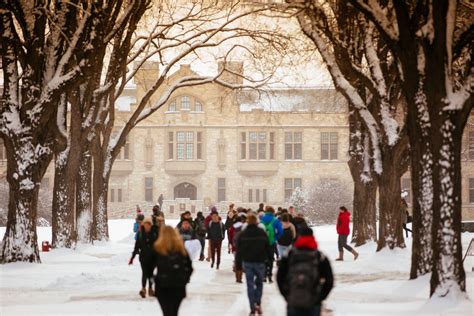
<point x="197" y="106"/>
<point x="172" y="106"/>
<point x="185" y="104"/>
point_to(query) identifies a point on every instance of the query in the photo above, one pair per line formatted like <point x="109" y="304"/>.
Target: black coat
<point x="173" y="271"/>
<point x="325" y="273"/>
<point x="252" y="245"/>
<point x="144" y="245"/>
<point x="216" y="231"/>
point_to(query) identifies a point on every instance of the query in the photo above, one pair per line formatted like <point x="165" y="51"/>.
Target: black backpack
<point x="287" y="238"/>
<point x="173" y="271"/>
<point x="303" y="278"/>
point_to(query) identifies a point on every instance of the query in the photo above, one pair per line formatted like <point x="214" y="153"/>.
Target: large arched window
<point x="186" y="103"/>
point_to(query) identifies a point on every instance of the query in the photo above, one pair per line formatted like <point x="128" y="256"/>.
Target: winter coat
<point x="299" y="223"/>
<point x="252" y="245"/>
<point x="144" y="245"/>
<point x="191" y="222"/>
<point x="207" y="220"/>
<point x="289" y="234"/>
<point x="229" y="221"/>
<point x="233" y="234"/>
<point x="306" y="244"/>
<point x="173" y="271"/>
<point x="188" y="234"/>
<point x="216" y="231"/>
<point x="200" y="227"/>
<point x="277" y="228"/>
<point x="343" y="222"/>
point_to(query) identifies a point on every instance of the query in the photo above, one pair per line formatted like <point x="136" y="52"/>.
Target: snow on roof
<point x="292" y="100"/>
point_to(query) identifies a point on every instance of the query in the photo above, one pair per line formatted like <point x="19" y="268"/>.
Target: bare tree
<point x="46" y="47"/>
<point x="432" y="42"/>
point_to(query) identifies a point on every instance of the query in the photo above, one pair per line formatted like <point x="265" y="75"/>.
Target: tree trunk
<point x="448" y="275"/>
<point x="390" y="206"/>
<point x="101" y="176"/>
<point x="26" y="164"/>
<point x="63" y="204"/>
<point x="83" y="199"/>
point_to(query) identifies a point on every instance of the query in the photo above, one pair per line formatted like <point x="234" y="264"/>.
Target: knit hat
<point x="306" y="231"/>
<point x="214" y="211"/>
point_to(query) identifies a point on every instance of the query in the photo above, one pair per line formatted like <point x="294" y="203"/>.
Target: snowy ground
<point x="97" y="280"/>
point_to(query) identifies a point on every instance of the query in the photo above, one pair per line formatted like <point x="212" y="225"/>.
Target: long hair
<point x="169" y="242"/>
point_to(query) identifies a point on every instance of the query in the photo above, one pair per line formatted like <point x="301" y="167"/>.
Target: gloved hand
<point x="130" y="261"/>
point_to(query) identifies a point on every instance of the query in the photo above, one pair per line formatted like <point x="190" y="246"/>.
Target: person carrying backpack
<point x="215" y="234"/>
<point x="289" y="234"/>
<point x="138" y="222"/>
<point x="201" y="232"/>
<point x="274" y="232"/>
<point x="174" y="270"/>
<point x="305" y="276"/>
<point x="144" y="248"/>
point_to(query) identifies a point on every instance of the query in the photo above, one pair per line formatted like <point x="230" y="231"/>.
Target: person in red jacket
<point x="343" y="230"/>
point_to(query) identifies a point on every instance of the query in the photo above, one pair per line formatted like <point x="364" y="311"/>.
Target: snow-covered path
<point x="97" y="280"/>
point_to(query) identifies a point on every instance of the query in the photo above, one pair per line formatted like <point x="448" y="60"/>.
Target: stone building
<point x="210" y="145"/>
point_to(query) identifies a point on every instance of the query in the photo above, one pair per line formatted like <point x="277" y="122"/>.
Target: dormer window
<point x="185" y="104"/>
<point x="172" y="106"/>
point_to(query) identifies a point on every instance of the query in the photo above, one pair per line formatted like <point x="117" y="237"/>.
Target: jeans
<point x="216" y="250"/>
<point x="254" y="274"/>
<point x="298" y="311"/>
<point x="342" y="243"/>
<point x="282" y="250"/>
<point x="202" y="240"/>
<point x="269" y="265"/>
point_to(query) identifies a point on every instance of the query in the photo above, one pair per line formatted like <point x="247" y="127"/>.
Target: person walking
<point x="299" y="222"/>
<point x="234" y="232"/>
<point x="215" y="234"/>
<point x="138" y="222"/>
<point x="274" y="232"/>
<point x="253" y="249"/>
<point x="406" y="218"/>
<point x="174" y="270"/>
<point x="158" y="216"/>
<point x="229" y="221"/>
<point x="201" y="233"/>
<point x="144" y="248"/>
<point x="186" y="231"/>
<point x="288" y="236"/>
<point x="304" y="276"/>
<point x="343" y="231"/>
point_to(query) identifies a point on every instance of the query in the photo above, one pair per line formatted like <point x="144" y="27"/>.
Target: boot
<point x="201" y="258"/>
<point x="142" y="292"/>
<point x="238" y="276"/>
<point x="355" y="253"/>
<point x="151" y="292"/>
<point x="341" y="256"/>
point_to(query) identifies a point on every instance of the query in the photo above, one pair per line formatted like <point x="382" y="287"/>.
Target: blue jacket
<point x="267" y="218"/>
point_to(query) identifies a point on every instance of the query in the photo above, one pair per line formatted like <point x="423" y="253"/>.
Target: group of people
<point x="255" y="238"/>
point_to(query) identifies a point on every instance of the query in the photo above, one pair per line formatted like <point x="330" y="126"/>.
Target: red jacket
<point x="343" y="221"/>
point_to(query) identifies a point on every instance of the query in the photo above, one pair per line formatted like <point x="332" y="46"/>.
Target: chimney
<point x="233" y="73"/>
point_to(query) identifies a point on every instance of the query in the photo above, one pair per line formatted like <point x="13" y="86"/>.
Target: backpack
<point x="303" y="278"/>
<point x="173" y="271"/>
<point x="287" y="238"/>
<point x="270" y="231"/>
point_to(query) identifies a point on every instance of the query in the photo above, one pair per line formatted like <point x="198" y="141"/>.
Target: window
<point x="329" y="146"/>
<point x="148" y="152"/>
<point x="261" y="145"/>
<point x="171" y="209"/>
<point x="119" y="195"/>
<point x="406" y="188"/>
<point x="243" y="145"/>
<point x="264" y="195"/>
<point x="470" y="145"/>
<point x="149" y="189"/>
<point x="471" y="190"/>
<point x="172" y="106"/>
<point x="250" y="196"/>
<point x="189" y="145"/>
<point x="257" y="195"/>
<point x="220" y="189"/>
<point x="185" y="104"/>
<point x="199" y="145"/>
<point x="112" y="195"/>
<point x="170" y="145"/>
<point x="290" y="185"/>
<point x="197" y="106"/>
<point x="293" y="146"/>
<point x="3" y="152"/>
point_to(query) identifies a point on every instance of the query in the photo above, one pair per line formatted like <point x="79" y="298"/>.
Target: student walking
<point x="253" y="249"/>
<point x="201" y="232"/>
<point x="288" y="236"/>
<point x="174" y="271"/>
<point x="215" y="234"/>
<point x="144" y="248"/>
<point x="304" y="277"/>
<point x="274" y="231"/>
<point x="234" y="232"/>
<point x="406" y="218"/>
<point x="343" y="231"/>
